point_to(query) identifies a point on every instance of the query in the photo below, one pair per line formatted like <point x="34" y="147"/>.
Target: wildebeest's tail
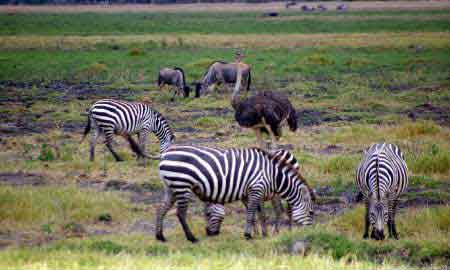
<point x="159" y="79"/>
<point x="249" y="80"/>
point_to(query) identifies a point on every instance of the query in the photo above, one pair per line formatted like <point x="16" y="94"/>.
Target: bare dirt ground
<point x="218" y="7"/>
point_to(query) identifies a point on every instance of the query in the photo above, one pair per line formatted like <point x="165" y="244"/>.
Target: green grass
<point x="151" y="23"/>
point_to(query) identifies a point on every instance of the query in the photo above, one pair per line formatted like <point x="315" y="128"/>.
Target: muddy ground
<point x="19" y="98"/>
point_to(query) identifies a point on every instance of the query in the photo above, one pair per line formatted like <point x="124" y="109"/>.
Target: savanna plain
<point x="355" y="77"/>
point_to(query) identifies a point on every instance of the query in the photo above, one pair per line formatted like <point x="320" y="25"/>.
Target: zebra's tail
<point x="249" y="80"/>
<point x="86" y="129"/>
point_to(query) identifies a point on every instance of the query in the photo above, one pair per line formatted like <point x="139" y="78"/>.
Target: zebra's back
<point x="215" y="175"/>
<point x="382" y="170"/>
<point x="122" y="116"/>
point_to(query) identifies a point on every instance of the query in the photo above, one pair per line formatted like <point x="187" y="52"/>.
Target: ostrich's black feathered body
<point x="273" y="106"/>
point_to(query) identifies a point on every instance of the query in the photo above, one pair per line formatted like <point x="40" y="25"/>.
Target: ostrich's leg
<point x="259" y="139"/>
<point x="272" y="135"/>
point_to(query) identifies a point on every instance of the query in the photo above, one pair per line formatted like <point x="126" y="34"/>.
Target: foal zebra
<point x="124" y="118"/>
<point x="223" y="176"/>
<point x="381" y="177"/>
<point x="215" y="213"/>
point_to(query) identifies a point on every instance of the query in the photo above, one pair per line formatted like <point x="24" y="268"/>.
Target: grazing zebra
<point x="109" y="117"/>
<point x="223" y="176"/>
<point x="215" y="213"/>
<point x="381" y="177"/>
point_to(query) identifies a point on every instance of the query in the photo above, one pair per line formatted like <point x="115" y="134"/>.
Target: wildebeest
<point x="342" y="7"/>
<point x="322" y="7"/>
<point x="223" y="72"/>
<point x="174" y="77"/>
<point x="307" y="8"/>
<point x="290" y="4"/>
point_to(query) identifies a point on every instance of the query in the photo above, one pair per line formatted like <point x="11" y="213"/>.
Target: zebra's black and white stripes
<point x="381" y="177"/>
<point x="223" y="176"/>
<point x="110" y="117"/>
<point x="215" y="213"/>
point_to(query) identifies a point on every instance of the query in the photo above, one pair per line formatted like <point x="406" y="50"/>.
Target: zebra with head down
<point x="215" y="213"/>
<point x="223" y="176"/>
<point x="381" y="177"/>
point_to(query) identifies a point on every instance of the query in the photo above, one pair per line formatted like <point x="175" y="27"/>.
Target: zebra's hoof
<point x="248" y="236"/>
<point x="193" y="239"/>
<point x="161" y="238"/>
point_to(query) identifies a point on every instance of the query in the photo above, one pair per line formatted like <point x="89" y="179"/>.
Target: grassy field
<point x="356" y="78"/>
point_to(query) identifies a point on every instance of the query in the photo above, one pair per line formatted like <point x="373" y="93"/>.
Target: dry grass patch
<point x="385" y="40"/>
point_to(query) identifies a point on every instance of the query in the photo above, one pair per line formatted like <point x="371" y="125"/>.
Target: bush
<point x="135" y="52"/>
<point x="46" y="153"/>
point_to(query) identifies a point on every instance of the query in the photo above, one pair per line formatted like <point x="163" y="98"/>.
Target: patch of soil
<point x="22" y="96"/>
<point x="428" y="111"/>
<point x="331" y="149"/>
<point x="22" y="179"/>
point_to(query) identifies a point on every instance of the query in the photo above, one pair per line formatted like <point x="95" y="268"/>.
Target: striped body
<point x="215" y="213"/>
<point x="381" y="177"/>
<point x="224" y="176"/>
<point x="113" y="117"/>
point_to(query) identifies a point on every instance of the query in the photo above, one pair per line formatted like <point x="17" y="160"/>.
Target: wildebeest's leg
<point x="391" y="219"/>
<point x="278" y="207"/>
<point x="367" y="222"/>
<point x="182" y="207"/>
<point x="93" y="141"/>
<point x="254" y="200"/>
<point x="108" y="141"/>
<point x="175" y="92"/>
<point x="169" y="200"/>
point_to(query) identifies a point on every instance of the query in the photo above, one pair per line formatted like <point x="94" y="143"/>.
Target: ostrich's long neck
<point x="235" y="99"/>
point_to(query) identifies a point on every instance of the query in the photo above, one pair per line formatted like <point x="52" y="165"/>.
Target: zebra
<point x="215" y="213"/>
<point x="223" y="176"/>
<point x="381" y="177"/>
<point x="109" y="117"/>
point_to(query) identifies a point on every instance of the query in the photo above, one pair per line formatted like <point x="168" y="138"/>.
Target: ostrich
<point x="267" y="111"/>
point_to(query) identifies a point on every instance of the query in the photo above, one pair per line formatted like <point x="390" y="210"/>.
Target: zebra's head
<point x="302" y="211"/>
<point x="214" y="214"/>
<point x="378" y="216"/>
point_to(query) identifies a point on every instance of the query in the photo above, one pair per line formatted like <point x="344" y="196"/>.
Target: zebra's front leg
<point x="169" y="200"/>
<point x="391" y="219"/>
<point x="254" y="200"/>
<point x="143" y="138"/>
<point x="278" y="207"/>
<point x="182" y="207"/>
<point x="367" y="222"/>
<point x="255" y="226"/>
<point x="108" y="141"/>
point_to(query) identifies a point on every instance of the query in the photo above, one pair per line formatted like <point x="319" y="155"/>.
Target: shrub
<point x="135" y="52"/>
<point x="46" y="153"/>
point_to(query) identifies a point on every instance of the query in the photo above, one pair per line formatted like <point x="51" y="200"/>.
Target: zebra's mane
<point x="286" y="164"/>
